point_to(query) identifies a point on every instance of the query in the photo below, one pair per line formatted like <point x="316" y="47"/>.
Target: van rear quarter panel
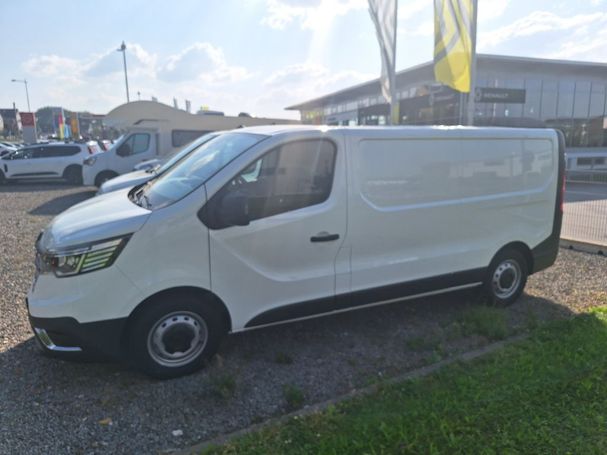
<point x="447" y="202"/>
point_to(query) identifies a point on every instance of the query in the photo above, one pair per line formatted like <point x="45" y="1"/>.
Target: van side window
<point x="180" y="138"/>
<point x="136" y="143"/>
<point x="290" y="177"/>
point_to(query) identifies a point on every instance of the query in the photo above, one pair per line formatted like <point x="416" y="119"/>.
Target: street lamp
<point x="122" y="49"/>
<point x="27" y="95"/>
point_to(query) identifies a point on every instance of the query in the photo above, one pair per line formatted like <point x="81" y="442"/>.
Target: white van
<point x="153" y="131"/>
<point x="272" y="224"/>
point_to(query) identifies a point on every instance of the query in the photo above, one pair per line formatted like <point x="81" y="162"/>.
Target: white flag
<point x="383" y="14"/>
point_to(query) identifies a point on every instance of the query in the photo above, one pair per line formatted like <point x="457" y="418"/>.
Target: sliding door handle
<point x="324" y="237"/>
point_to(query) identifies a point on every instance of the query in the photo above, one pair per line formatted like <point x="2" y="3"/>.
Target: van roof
<point x="482" y="131"/>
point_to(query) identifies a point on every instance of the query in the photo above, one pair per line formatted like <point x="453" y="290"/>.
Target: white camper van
<point x="271" y="224"/>
<point x="153" y="131"/>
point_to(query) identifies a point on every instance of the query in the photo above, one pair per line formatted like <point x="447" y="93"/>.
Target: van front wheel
<point x="174" y="336"/>
<point x="506" y="277"/>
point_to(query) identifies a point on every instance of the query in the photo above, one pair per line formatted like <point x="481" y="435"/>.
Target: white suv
<point x="47" y="161"/>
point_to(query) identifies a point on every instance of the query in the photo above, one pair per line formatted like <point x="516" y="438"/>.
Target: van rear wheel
<point x="506" y="277"/>
<point x="174" y="335"/>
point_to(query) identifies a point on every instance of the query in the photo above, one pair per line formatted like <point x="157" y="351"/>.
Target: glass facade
<point x="575" y="105"/>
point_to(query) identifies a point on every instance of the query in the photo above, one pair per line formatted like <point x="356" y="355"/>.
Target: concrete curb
<point x="319" y="407"/>
<point x="586" y="247"/>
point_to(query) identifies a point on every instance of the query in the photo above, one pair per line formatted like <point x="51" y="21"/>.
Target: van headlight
<point x="82" y="258"/>
<point x="90" y="160"/>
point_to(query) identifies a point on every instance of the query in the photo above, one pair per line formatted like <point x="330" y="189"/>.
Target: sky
<point x="255" y="56"/>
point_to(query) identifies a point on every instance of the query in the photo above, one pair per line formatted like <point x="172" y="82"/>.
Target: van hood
<point x="126" y="181"/>
<point x="99" y="218"/>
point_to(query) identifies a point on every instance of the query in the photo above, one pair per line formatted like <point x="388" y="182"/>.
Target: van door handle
<point x="323" y="237"/>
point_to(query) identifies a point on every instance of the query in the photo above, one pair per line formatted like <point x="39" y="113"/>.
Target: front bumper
<point x="68" y="336"/>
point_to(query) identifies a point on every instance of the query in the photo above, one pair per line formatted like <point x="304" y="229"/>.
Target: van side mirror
<point x="234" y="209"/>
<point x="124" y="150"/>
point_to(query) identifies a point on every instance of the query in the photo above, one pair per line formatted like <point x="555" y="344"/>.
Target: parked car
<point x="47" y="161"/>
<point x="273" y="224"/>
<point x="157" y="167"/>
<point x="5" y="150"/>
<point x="104" y="144"/>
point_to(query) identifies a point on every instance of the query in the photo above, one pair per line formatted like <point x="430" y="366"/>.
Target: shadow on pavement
<point x="59" y="204"/>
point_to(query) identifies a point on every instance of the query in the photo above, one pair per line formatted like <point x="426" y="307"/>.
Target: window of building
<point x="549" y="99"/>
<point x="581" y="103"/>
<point x="584" y="161"/>
<point x="180" y="138"/>
<point x="597" y="100"/>
<point x="533" y="95"/>
<point x="566" y="95"/>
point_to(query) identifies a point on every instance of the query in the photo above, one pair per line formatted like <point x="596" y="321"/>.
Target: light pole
<point x="122" y="49"/>
<point x="27" y="95"/>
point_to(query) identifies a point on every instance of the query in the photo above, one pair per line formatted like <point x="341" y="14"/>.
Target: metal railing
<point x="585" y="212"/>
<point x="587" y="176"/>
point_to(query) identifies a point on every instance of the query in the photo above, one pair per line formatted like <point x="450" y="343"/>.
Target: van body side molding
<point x="368" y="296"/>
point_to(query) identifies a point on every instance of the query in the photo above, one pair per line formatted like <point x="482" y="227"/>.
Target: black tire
<point x="506" y="277"/>
<point x="103" y="177"/>
<point x="2" y="178"/>
<point x="177" y="317"/>
<point x="73" y="175"/>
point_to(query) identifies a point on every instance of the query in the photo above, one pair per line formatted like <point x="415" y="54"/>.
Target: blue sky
<point x="256" y="56"/>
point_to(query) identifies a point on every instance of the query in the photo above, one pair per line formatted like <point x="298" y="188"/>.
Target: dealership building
<point x="511" y="91"/>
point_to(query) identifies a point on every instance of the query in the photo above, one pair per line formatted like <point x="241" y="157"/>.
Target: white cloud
<point x="539" y="22"/>
<point x="310" y="14"/>
<point x="411" y="9"/>
<point x="204" y="62"/>
<point x="302" y="81"/>
<point x="139" y="61"/>
<point x="50" y="65"/>
<point x="490" y="10"/>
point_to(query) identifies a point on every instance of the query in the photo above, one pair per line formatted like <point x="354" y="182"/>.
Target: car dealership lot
<point x="49" y="406"/>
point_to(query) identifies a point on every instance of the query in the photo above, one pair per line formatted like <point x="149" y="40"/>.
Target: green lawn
<point x="547" y="394"/>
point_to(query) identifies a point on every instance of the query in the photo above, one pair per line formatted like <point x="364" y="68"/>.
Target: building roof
<point x="485" y="62"/>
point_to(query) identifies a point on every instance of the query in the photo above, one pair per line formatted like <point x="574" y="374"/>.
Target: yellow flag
<point x="453" y="46"/>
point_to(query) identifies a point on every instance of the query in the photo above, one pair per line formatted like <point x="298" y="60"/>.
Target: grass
<point x="489" y="322"/>
<point x="283" y="358"/>
<point x="223" y="386"/>
<point x="547" y="394"/>
<point x="294" y="397"/>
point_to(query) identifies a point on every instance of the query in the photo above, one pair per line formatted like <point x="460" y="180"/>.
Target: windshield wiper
<point x="139" y="195"/>
<point x="148" y="205"/>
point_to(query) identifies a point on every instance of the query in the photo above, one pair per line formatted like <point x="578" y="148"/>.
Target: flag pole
<point x="470" y="106"/>
<point x="394" y="107"/>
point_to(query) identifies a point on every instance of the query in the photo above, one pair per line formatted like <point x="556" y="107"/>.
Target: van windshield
<point x="194" y="170"/>
<point x="179" y="154"/>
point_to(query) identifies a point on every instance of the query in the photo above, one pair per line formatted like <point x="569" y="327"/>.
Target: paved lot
<point x="585" y="213"/>
<point x="49" y="406"/>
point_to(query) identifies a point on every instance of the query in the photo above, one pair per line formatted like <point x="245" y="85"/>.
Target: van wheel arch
<point x="521" y="248"/>
<point x="203" y="295"/>
<point x="103" y="176"/>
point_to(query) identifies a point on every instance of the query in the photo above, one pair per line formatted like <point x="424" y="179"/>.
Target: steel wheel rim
<point x="177" y="339"/>
<point x="506" y="279"/>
